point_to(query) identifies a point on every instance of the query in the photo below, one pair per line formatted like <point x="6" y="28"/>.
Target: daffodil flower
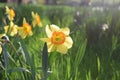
<point x="11" y="29"/>
<point x="58" y="39"/>
<point x="10" y="13"/>
<point x="36" y="20"/>
<point x="25" y="30"/>
<point x="1" y="35"/>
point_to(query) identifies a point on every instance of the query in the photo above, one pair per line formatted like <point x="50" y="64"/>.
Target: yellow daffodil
<point x="1" y="35"/>
<point x="58" y="39"/>
<point x="25" y="30"/>
<point x="36" y="20"/>
<point x="11" y="29"/>
<point x="10" y="13"/>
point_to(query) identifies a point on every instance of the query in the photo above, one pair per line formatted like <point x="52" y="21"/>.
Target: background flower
<point x="25" y="30"/>
<point x="11" y="29"/>
<point x="36" y="20"/>
<point x="10" y="13"/>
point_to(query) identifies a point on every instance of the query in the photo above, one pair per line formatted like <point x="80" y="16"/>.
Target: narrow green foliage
<point x="98" y="64"/>
<point x="18" y="69"/>
<point x="88" y="75"/>
<point x="6" y="61"/>
<point x="80" y="53"/>
<point x="45" y="61"/>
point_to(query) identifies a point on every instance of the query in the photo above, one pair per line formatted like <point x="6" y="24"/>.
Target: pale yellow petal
<point x="34" y="23"/>
<point x="1" y="35"/>
<point x="48" y="31"/>
<point x="62" y="49"/>
<point x="0" y="49"/>
<point x="54" y="28"/>
<point x="45" y="39"/>
<point x="22" y="33"/>
<point x="31" y="33"/>
<point x="7" y="9"/>
<point x="51" y="47"/>
<point x="6" y="28"/>
<point x="33" y="14"/>
<point x="68" y="42"/>
<point x="24" y="21"/>
<point x="66" y="31"/>
<point x="13" y="30"/>
<point x="23" y="36"/>
<point x="11" y="23"/>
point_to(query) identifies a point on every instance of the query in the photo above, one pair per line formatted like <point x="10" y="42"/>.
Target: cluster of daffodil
<point x="12" y="29"/>
<point x="58" y="39"/>
<point x="24" y="30"/>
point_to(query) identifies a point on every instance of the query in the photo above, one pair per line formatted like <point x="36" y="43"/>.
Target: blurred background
<point x="95" y="30"/>
<point x="67" y="2"/>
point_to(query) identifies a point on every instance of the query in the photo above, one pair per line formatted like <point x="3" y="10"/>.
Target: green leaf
<point x="18" y="69"/>
<point x="29" y="61"/>
<point x="45" y="60"/>
<point x="6" y="61"/>
<point x="10" y="57"/>
<point x="80" y="53"/>
<point x="5" y="53"/>
<point x="33" y="70"/>
<point x="25" y="52"/>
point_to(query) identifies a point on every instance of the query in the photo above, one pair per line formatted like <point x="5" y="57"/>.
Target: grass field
<point x="94" y="54"/>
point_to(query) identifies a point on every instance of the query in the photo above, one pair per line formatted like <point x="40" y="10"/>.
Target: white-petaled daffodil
<point x="58" y="39"/>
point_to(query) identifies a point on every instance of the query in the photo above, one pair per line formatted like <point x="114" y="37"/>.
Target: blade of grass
<point x="6" y="61"/>
<point x="18" y="69"/>
<point x="80" y="53"/>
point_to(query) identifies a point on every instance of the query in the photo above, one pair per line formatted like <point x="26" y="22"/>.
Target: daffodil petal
<point x="62" y="49"/>
<point x="66" y="31"/>
<point x="31" y="33"/>
<point x="54" y="28"/>
<point x="6" y="29"/>
<point x="24" y="21"/>
<point x="7" y="9"/>
<point x="1" y="35"/>
<point x="11" y="23"/>
<point x="33" y="15"/>
<point x="68" y="42"/>
<point x="23" y="36"/>
<point x="21" y="33"/>
<point x="51" y="47"/>
<point x="33" y="23"/>
<point x="13" y="30"/>
<point x="45" y="39"/>
<point x="48" y="31"/>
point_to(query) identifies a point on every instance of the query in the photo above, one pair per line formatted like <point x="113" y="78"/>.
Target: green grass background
<point x="94" y="55"/>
